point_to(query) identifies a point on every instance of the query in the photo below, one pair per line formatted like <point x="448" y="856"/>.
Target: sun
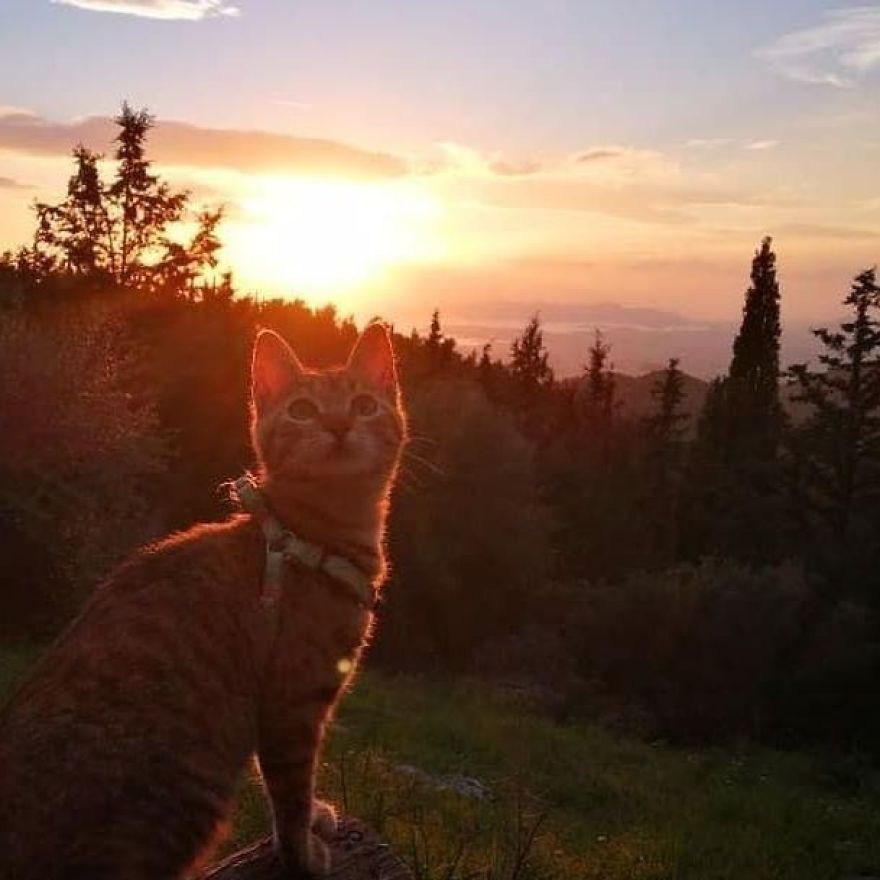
<point x="320" y="237"/>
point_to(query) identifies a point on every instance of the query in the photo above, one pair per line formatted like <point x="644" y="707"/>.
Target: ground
<point x="469" y="783"/>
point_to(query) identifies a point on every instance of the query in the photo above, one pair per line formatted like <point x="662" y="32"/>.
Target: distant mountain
<point x="633" y="394"/>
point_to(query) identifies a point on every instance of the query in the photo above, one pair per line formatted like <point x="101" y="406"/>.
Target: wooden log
<point x="357" y="853"/>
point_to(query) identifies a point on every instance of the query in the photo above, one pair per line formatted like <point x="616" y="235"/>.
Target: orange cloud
<point x="181" y="143"/>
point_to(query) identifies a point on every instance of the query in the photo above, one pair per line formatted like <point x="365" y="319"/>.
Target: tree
<point x="529" y="359"/>
<point x="665" y="425"/>
<point x="438" y="347"/>
<point x="596" y="397"/>
<point x="664" y="430"/>
<point x="734" y="505"/>
<point x="753" y="381"/>
<point x="531" y="378"/>
<point x="837" y="448"/>
<point x="125" y="232"/>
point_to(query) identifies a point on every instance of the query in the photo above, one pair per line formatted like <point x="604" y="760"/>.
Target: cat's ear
<point x="274" y="369"/>
<point x="372" y="358"/>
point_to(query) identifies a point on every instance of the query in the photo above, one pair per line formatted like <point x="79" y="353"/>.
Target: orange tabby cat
<point x="120" y="756"/>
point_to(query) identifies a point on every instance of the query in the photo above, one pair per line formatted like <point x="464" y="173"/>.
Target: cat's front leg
<point x="287" y="764"/>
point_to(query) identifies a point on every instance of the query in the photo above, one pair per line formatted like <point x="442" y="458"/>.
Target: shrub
<point x="78" y="441"/>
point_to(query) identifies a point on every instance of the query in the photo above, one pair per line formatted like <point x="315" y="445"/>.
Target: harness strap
<point x="284" y="546"/>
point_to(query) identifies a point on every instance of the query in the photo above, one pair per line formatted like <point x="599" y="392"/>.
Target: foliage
<point x="537" y="535"/>
<point x="733" y="505"/>
<point x="79" y="443"/>
<point x="753" y="381"/>
<point x="469" y="535"/>
<point x="126" y="232"/>
<point x="836" y="451"/>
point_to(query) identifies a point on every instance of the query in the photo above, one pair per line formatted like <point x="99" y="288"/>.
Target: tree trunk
<point x="357" y="854"/>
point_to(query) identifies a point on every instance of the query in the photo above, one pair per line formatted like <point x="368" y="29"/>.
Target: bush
<point x="78" y="442"/>
<point x="469" y="534"/>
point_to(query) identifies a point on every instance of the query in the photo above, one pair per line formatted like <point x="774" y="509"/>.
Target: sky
<point x="607" y="163"/>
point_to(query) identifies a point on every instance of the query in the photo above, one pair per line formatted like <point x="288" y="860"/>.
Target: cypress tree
<point x="753" y="381"/>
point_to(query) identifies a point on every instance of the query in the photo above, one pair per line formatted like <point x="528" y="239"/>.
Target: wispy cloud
<point x="837" y="52"/>
<point x="717" y="143"/>
<point x="708" y="143"/>
<point x="762" y="145"/>
<point x="183" y="144"/>
<point x="181" y="10"/>
<point x="9" y="183"/>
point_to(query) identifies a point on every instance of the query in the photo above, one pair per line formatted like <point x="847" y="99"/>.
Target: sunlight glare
<point x="313" y="236"/>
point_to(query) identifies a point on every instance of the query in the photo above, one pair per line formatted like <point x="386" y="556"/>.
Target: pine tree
<point x="734" y="505"/>
<point x="529" y="360"/>
<point x="531" y="380"/>
<point x="596" y="401"/>
<point x="666" y="424"/>
<point x="122" y="232"/>
<point x="664" y="430"/>
<point x="837" y="449"/>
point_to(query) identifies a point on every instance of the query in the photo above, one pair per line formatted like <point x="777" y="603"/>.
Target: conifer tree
<point x="837" y="448"/>
<point x="598" y="388"/>
<point x="531" y="380"/>
<point x="753" y="381"/>
<point x="664" y="430"/>
<point x="733" y="505"/>
<point x="529" y="359"/>
<point x="665" y="424"/>
<point x="121" y="232"/>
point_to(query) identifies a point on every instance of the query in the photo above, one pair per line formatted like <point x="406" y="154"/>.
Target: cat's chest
<point x="317" y="630"/>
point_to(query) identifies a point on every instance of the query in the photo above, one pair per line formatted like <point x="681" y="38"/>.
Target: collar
<point x="283" y="546"/>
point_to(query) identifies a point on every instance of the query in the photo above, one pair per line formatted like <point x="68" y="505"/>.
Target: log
<point x="357" y="853"/>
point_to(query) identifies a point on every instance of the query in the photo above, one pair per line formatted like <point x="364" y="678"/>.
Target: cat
<point x="120" y="755"/>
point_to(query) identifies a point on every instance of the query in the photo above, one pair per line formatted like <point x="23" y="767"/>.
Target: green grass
<point x="577" y="801"/>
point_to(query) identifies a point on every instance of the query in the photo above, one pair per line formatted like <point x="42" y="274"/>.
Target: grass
<point x="575" y="801"/>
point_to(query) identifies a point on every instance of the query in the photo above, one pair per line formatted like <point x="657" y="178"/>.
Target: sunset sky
<point x="590" y="157"/>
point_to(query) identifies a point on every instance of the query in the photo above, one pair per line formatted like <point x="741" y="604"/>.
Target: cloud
<point x="514" y="169"/>
<point x="180" y="143"/>
<point x="181" y="10"/>
<point x="599" y="154"/>
<point x="762" y="145"/>
<point x="715" y="143"/>
<point x="831" y="233"/>
<point x="838" y="52"/>
<point x="708" y="143"/>
<point x="9" y="183"/>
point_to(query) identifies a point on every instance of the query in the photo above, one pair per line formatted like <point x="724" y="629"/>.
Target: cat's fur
<point x="120" y="755"/>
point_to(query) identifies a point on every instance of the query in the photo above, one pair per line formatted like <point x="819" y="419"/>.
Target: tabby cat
<point x="120" y="755"/>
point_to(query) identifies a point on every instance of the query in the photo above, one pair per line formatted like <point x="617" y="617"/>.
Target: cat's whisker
<point x="415" y="458"/>
<point x="421" y="438"/>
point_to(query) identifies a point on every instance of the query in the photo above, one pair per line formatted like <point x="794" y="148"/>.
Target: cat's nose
<point x="337" y="424"/>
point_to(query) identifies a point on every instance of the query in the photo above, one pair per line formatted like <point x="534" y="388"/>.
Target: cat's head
<point x="321" y="425"/>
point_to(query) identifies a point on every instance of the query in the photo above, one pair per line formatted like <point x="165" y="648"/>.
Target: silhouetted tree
<point x="595" y="399"/>
<point x="734" y="504"/>
<point x="753" y="381"/>
<point x="122" y="232"/>
<point x="664" y="430"/>
<point x="837" y="448"/>
<point x="531" y="378"/>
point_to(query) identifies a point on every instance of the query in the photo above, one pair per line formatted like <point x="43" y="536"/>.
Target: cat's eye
<point x="364" y="405"/>
<point x="302" y="410"/>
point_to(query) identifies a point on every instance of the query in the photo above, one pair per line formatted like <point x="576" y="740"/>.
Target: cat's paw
<point x="318" y="857"/>
<point x="309" y="862"/>
<point x="324" y="821"/>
